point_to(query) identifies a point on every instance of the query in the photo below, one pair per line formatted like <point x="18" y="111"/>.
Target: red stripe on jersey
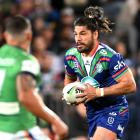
<point x="119" y="72"/>
<point x="104" y="59"/>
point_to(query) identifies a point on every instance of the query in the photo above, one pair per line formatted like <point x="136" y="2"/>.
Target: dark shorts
<point x="114" y="119"/>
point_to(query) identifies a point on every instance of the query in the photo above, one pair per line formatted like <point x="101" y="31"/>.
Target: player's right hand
<point x="60" y="130"/>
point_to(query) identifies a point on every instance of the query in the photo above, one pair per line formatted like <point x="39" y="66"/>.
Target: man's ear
<point x="29" y="36"/>
<point x="95" y="35"/>
<point x="6" y="36"/>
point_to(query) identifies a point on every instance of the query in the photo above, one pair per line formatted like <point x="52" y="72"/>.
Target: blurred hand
<point x="60" y="130"/>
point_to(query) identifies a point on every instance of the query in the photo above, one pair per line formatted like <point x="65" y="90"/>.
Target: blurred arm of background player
<point x="29" y="97"/>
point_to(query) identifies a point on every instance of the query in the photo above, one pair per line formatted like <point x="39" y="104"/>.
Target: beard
<point x="85" y="48"/>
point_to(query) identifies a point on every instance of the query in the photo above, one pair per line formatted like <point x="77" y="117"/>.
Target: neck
<point x="19" y="44"/>
<point x="92" y="51"/>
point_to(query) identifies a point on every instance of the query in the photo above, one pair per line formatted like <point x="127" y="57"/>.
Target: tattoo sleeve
<point x="26" y="82"/>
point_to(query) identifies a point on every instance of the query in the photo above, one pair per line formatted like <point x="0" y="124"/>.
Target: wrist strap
<point x="100" y="92"/>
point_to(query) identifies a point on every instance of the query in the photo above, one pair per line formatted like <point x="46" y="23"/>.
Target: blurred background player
<point x="20" y="102"/>
<point x="106" y="105"/>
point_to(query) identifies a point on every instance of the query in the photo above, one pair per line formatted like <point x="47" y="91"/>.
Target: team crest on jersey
<point x="99" y="68"/>
<point x="103" y="51"/>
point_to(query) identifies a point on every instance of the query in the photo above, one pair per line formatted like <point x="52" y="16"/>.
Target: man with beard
<point x="107" y="78"/>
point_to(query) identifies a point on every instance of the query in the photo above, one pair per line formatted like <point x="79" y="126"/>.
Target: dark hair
<point x="94" y="20"/>
<point x="17" y="24"/>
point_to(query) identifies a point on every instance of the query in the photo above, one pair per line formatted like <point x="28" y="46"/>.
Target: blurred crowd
<point x="52" y="23"/>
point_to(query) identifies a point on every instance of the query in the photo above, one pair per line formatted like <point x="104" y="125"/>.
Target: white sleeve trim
<point x="30" y="66"/>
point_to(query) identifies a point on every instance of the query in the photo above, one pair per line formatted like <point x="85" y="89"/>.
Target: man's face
<point x="84" y="39"/>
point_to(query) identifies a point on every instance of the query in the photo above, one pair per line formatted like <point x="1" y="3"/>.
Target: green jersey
<point x="13" y="116"/>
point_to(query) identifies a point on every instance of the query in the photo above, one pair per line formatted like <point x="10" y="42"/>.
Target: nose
<point x="78" y="38"/>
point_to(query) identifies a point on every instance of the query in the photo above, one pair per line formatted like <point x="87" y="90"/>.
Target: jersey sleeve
<point x="69" y="70"/>
<point x="117" y="66"/>
<point x="32" y="67"/>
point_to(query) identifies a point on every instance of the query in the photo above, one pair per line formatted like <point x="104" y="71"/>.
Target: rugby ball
<point x="70" y="91"/>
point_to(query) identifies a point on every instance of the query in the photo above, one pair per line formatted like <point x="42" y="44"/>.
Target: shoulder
<point x="72" y="54"/>
<point x="30" y="63"/>
<point x="72" y="51"/>
<point x="28" y="57"/>
<point x="32" y="58"/>
<point x="106" y="51"/>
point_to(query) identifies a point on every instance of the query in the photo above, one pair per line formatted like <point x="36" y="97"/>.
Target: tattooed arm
<point x="29" y="97"/>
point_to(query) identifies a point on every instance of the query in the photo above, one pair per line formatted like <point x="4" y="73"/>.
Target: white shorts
<point x="34" y="132"/>
<point x="6" y="136"/>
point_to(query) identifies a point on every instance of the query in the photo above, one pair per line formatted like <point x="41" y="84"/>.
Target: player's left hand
<point x="89" y="93"/>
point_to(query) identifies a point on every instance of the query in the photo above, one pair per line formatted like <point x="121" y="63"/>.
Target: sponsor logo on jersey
<point x="87" y="62"/>
<point x="123" y="111"/>
<point x="76" y="64"/>
<point x="119" y="65"/>
<point x="113" y="113"/>
<point x="30" y="66"/>
<point x="103" y="51"/>
<point x="7" y="61"/>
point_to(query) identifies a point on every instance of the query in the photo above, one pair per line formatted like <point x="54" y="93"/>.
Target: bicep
<point x="25" y="85"/>
<point x="127" y="82"/>
<point x="126" y="77"/>
<point x="125" y="85"/>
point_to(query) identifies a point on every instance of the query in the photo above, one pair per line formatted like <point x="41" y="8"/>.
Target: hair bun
<point x="94" y="12"/>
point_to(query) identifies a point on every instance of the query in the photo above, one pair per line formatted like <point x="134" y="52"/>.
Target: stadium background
<point x="52" y="23"/>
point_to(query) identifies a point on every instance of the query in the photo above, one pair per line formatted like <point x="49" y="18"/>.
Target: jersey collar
<point x="92" y="53"/>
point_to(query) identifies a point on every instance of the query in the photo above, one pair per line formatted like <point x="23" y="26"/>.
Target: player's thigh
<point x="104" y="134"/>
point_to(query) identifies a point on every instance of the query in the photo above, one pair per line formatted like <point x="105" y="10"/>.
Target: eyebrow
<point x="80" y="31"/>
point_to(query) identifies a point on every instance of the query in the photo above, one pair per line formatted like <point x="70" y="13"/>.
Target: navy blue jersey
<point x="105" y="66"/>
